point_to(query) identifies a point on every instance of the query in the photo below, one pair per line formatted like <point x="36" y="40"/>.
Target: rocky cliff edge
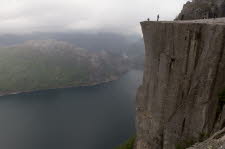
<point x="178" y="103"/>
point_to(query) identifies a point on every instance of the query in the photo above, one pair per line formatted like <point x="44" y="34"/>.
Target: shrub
<point x="203" y="136"/>
<point x="222" y="96"/>
<point x="179" y="146"/>
<point x="185" y="144"/>
<point x="128" y="144"/>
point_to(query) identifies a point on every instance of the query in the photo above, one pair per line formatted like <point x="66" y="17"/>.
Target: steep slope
<point x="199" y="9"/>
<point x="217" y="141"/>
<point x="43" y="64"/>
<point x="178" y="103"/>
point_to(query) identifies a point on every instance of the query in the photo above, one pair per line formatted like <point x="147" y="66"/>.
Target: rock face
<point x="199" y="9"/>
<point x="177" y="104"/>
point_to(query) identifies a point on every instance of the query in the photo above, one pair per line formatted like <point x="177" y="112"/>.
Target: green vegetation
<point x="128" y="144"/>
<point x="179" y="146"/>
<point x="38" y="65"/>
<point x="203" y="136"/>
<point x="222" y="96"/>
<point x="24" y="69"/>
<point x="185" y="144"/>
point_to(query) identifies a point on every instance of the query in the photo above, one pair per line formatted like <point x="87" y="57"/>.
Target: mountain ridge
<point x="45" y="64"/>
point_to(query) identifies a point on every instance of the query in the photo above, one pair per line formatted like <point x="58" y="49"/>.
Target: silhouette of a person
<point x="148" y="19"/>
<point x="158" y="17"/>
<point x="182" y="17"/>
<point x="214" y="15"/>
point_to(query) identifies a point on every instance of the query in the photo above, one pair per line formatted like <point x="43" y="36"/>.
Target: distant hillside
<point x="44" y="64"/>
<point x="129" y="46"/>
<point x="90" y="41"/>
<point x="136" y="54"/>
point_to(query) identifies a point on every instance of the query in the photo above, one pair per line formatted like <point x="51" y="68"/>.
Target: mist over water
<point x="98" y="117"/>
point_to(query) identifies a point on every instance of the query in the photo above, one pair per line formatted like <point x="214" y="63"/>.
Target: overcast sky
<point x="24" y="16"/>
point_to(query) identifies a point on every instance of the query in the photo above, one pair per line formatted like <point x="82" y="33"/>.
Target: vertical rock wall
<point x="177" y="104"/>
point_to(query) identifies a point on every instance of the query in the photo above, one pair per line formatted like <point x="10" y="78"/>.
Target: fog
<point x="123" y="16"/>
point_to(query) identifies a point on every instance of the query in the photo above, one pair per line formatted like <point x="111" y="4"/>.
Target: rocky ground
<point x="199" y="9"/>
<point x="217" y="141"/>
<point x="216" y="21"/>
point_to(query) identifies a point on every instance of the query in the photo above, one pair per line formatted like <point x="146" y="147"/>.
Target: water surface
<point x="97" y="117"/>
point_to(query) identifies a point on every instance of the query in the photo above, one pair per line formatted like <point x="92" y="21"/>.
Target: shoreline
<point x="65" y="87"/>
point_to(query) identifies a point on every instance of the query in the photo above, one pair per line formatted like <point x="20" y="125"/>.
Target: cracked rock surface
<point x="217" y="141"/>
<point x="199" y="9"/>
<point x="178" y="104"/>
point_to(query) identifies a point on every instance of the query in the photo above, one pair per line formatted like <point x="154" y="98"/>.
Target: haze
<point x="26" y="16"/>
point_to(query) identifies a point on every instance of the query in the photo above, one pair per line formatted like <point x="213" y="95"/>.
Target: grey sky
<point x="23" y="16"/>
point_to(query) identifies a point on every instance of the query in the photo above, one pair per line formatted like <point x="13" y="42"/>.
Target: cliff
<point x="178" y="104"/>
<point x="199" y="9"/>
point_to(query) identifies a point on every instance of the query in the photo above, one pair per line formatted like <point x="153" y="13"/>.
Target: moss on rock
<point x="129" y="144"/>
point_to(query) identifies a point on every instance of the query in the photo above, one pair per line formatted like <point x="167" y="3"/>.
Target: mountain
<point x="199" y="9"/>
<point x="90" y="41"/>
<point x="44" y="64"/>
<point x="129" y="46"/>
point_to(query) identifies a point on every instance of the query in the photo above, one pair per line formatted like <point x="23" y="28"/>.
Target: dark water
<point x="98" y="117"/>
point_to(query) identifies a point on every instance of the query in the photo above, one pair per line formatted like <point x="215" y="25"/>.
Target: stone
<point x="199" y="9"/>
<point x="183" y="75"/>
<point x="217" y="141"/>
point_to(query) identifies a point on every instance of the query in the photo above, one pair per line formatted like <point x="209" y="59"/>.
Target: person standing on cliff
<point x="158" y="17"/>
<point x="214" y="11"/>
<point x="148" y="19"/>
